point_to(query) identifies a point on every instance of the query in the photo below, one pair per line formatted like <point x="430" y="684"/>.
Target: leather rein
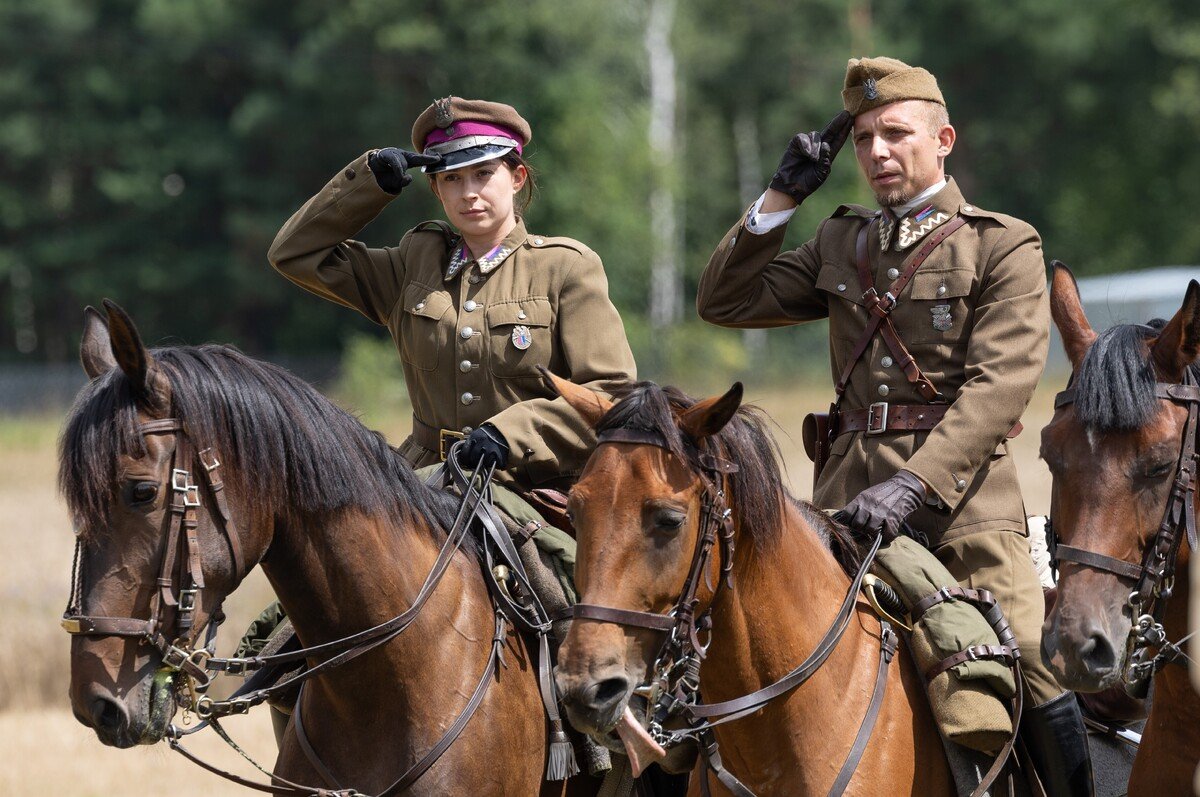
<point x="180" y="587"/>
<point x="674" y="691"/>
<point x="1154" y="577"/>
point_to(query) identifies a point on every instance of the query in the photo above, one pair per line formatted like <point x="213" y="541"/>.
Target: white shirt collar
<point x="901" y="211"/>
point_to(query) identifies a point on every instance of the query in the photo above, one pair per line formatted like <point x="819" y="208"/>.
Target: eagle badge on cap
<point x="443" y="116"/>
<point x="870" y="89"/>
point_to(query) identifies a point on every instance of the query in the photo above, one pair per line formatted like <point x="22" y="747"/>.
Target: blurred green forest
<point x="150" y="149"/>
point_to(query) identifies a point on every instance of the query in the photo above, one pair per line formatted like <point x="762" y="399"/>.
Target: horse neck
<point x="348" y="572"/>
<point x="782" y="604"/>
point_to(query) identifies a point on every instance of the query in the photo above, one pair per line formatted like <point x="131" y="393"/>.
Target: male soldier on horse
<point x="938" y="323"/>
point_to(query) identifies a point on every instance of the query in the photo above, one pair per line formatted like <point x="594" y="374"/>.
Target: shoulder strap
<point x="881" y="307"/>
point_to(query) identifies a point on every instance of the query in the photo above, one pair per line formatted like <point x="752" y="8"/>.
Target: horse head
<point x="1113" y="447"/>
<point x="639" y="510"/>
<point x="152" y="560"/>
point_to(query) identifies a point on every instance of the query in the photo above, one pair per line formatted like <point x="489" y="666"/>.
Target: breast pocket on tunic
<point x="425" y="328"/>
<point x="939" y="309"/>
<point x="519" y="337"/>
<point x="847" y="315"/>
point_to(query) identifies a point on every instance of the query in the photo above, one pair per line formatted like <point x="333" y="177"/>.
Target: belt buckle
<point x="445" y="435"/>
<point x="877" y="418"/>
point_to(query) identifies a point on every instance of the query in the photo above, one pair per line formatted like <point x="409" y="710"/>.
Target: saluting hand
<point x="390" y="167"/>
<point x="809" y="157"/>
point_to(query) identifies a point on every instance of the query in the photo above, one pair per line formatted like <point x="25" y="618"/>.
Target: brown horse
<point x="638" y="512"/>
<point x="341" y="526"/>
<point x="1114" y="449"/>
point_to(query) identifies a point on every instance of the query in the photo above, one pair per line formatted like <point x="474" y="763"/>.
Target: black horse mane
<point x="284" y="444"/>
<point x="1115" y="382"/>
<point x="757" y="494"/>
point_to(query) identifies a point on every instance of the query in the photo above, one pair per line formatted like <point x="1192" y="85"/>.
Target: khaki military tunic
<point x="470" y="333"/>
<point x="975" y="317"/>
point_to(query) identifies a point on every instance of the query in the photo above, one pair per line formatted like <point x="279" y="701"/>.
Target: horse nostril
<point x="603" y="694"/>
<point x="107" y="714"/>
<point x="1097" y="653"/>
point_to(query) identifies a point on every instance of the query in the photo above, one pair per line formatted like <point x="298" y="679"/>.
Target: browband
<point x="651" y="438"/>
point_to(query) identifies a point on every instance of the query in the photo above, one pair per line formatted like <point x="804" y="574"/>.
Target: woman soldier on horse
<point x="474" y="305"/>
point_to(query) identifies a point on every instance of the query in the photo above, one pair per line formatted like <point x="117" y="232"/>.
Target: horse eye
<point x="143" y="492"/>
<point x="1158" y="471"/>
<point x="670" y="521"/>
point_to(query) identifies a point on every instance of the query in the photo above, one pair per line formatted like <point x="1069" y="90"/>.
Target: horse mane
<point x="757" y="493"/>
<point x="289" y="447"/>
<point x="1116" y="380"/>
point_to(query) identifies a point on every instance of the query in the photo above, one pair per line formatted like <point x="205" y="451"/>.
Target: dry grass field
<point x="47" y="752"/>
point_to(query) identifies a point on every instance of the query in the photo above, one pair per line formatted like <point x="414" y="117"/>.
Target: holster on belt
<point x="817" y="440"/>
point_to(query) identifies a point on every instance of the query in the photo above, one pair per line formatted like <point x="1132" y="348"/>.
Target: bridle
<point x="673" y="694"/>
<point x="179" y="588"/>
<point x="1154" y="577"/>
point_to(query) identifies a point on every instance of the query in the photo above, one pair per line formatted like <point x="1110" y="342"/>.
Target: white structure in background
<point x="1131" y="297"/>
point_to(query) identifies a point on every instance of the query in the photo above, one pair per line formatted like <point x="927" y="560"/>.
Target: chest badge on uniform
<point x="942" y="320"/>
<point x="521" y="337"/>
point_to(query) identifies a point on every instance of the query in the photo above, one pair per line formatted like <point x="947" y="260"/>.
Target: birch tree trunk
<point x="665" y="283"/>
<point x="750" y="177"/>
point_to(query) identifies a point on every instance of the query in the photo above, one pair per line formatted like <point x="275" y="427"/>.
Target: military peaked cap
<point x="464" y="132"/>
<point x="872" y="82"/>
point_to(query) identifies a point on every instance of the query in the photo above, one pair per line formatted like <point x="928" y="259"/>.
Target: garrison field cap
<point x="871" y="82"/>
<point x="466" y="132"/>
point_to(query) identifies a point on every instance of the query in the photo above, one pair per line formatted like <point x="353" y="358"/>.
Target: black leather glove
<point x="390" y="167"/>
<point x="485" y="444"/>
<point x="885" y="506"/>
<point x="809" y="156"/>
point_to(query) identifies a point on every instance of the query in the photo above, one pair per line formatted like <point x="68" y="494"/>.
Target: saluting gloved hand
<point x="884" y="506"/>
<point x="809" y="157"/>
<point x="485" y="444"/>
<point x="390" y="167"/>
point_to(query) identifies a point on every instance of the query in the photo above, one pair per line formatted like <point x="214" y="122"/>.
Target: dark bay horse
<point x="343" y="529"/>
<point x="638" y="512"/>
<point x="1118" y="448"/>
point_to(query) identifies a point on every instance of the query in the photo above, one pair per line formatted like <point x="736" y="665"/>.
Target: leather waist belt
<point x="431" y="438"/>
<point x="882" y="417"/>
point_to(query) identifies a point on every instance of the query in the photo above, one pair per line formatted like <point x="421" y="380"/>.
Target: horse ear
<point x="1178" y="345"/>
<point x="95" y="349"/>
<point x="706" y="418"/>
<point x="134" y="359"/>
<point x="1066" y="309"/>
<point x="590" y="405"/>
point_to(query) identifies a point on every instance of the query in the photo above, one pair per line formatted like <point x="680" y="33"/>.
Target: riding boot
<point x="1056" y="739"/>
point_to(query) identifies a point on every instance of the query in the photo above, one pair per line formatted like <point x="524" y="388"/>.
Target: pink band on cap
<point x="464" y="129"/>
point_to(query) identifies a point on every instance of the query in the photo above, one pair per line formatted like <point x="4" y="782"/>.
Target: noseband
<point x="180" y="584"/>
<point x="1154" y="578"/>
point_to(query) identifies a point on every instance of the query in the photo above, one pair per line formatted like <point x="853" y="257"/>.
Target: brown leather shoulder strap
<point x="881" y="308"/>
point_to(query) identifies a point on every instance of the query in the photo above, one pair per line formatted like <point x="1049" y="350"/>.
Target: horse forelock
<point x="282" y="442"/>
<point x="1115" y="382"/>
<point x="757" y="494"/>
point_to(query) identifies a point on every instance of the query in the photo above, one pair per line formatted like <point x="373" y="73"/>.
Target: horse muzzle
<point x="141" y="717"/>
<point x="1083" y="653"/>
<point x="595" y="701"/>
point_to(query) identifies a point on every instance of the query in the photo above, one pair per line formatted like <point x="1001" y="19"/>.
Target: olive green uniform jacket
<point x="989" y="273"/>
<point x="457" y="330"/>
